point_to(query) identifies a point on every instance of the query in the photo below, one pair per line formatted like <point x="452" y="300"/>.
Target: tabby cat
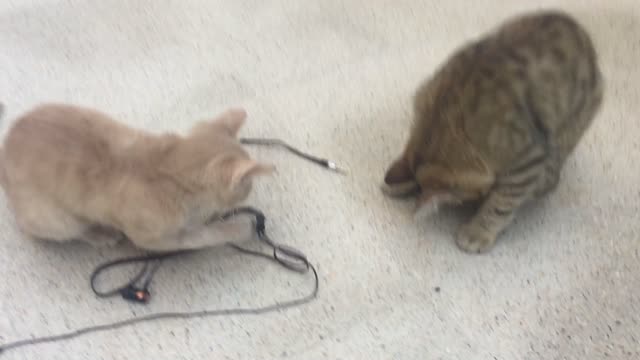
<point x="497" y="121"/>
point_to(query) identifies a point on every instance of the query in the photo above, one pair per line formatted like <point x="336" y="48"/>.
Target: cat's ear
<point x="232" y="120"/>
<point x="247" y="169"/>
<point x="399" y="180"/>
<point x="399" y="172"/>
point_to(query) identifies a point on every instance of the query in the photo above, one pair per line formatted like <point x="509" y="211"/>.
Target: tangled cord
<point x="286" y="256"/>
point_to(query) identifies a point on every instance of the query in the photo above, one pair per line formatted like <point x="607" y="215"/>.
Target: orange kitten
<point x="72" y="173"/>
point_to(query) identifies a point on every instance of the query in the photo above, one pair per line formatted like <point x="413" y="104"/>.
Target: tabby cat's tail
<point x="3" y="174"/>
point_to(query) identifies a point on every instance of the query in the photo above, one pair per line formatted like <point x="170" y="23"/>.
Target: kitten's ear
<point x="232" y="120"/>
<point x="399" y="172"/>
<point x="399" y="181"/>
<point x="247" y="169"/>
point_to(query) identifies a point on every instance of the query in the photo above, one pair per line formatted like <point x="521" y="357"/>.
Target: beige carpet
<point x="334" y="77"/>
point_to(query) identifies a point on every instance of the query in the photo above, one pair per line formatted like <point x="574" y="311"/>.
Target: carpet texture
<point x="333" y="77"/>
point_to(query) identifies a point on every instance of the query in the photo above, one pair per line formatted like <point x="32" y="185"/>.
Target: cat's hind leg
<point x="45" y="221"/>
<point x="563" y="144"/>
<point x="549" y="179"/>
<point x="567" y="137"/>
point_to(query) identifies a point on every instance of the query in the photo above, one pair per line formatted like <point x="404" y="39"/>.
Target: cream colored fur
<point x="72" y="173"/>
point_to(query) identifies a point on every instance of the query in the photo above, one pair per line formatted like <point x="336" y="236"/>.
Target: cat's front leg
<point x="494" y="215"/>
<point x="198" y="236"/>
<point x="103" y="237"/>
<point x="474" y="238"/>
<point x="233" y="231"/>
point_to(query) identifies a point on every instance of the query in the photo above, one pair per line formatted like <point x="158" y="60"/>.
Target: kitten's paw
<point x="99" y="239"/>
<point x="474" y="240"/>
<point x="104" y="243"/>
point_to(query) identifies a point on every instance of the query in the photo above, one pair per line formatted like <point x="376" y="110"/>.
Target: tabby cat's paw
<point x="473" y="240"/>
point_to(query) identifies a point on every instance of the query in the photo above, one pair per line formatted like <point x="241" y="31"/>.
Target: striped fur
<point x="497" y="121"/>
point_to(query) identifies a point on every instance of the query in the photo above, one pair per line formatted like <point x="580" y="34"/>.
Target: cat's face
<point x="434" y="184"/>
<point x="402" y="179"/>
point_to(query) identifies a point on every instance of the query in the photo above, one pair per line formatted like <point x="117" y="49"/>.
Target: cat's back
<point x="534" y="75"/>
<point x="528" y="28"/>
<point x="543" y="43"/>
<point x="540" y="66"/>
<point x="527" y="50"/>
<point x="542" y="49"/>
<point x="53" y="139"/>
<point x="62" y="130"/>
